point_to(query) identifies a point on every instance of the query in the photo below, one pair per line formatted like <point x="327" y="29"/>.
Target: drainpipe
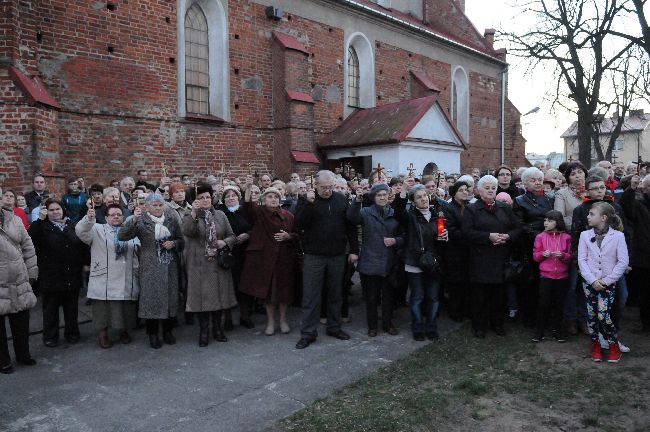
<point x="504" y="81"/>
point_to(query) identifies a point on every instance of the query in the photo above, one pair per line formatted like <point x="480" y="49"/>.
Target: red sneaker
<point x="596" y="355"/>
<point x="614" y="353"/>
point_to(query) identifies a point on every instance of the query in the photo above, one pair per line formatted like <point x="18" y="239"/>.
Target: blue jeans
<point x="575" y="306"/>
<point x="619" y="301"/>
<point x="424" y="289"/>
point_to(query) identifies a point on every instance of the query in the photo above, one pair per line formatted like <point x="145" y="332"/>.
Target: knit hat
<point x="269" y="190"/>
<point x="377" y="187"/>
<point x="203" y="188"/>
<point x="228" y="189"/>
<point x="453" y="189"/>
<point x="504" y="197"/>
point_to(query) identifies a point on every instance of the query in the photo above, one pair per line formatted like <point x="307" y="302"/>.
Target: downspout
<point x="504" y="81"/>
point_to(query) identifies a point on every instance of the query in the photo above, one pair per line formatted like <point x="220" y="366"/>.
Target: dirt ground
<point x="460" y="383"/>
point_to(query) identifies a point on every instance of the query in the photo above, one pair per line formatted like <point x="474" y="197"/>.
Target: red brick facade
<point x="114" y="73"/>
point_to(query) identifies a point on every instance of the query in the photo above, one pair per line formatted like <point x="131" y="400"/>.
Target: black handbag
<point x="427" y="260"/>
<point x="225" y="258"/>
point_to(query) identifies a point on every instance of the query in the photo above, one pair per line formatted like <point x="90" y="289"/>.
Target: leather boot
<point x="104" y="341"/>
<point x="204" y="331"/>
<point x="217" y="331"/>
<point x="227" y="325"/>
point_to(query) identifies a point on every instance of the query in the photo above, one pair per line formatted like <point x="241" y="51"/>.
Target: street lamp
<point x="533" y="111"/>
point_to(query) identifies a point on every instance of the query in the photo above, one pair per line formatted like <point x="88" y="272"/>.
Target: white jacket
<point x="110" y="279"/>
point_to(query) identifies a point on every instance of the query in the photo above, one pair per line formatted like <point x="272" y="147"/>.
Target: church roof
<point x="385" y="124"/>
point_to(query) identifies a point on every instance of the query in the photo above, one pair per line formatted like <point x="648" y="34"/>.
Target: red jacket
<point x="553" y="267"/>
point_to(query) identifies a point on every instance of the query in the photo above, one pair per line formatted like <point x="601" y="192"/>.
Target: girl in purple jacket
<point x="552" y="250"/>
<point x="602" y="258"/>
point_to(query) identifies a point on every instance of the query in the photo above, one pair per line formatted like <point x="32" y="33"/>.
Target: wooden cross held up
<point x="411" y="169"/>
<point x="380" y="169"/>
<point x="250" y="170"/>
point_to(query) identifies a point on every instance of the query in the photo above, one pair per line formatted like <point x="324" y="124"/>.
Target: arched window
<point x="353" y="78"/>
<point x="459" y="106"/>
<point x="203" y="80"/>
<point x="197" y="67"/>
<point x="359" y="75"/>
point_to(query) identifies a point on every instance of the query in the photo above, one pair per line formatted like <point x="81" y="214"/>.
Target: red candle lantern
<point x="440" y="222"/>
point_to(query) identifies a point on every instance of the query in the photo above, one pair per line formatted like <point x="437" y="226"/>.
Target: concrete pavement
<point x="246" y="384"/>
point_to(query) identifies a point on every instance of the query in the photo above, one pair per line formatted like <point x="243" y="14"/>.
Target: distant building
<point x="633" y="142"/>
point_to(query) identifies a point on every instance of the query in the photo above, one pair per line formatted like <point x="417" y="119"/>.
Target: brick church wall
<point x="114" y="72"/>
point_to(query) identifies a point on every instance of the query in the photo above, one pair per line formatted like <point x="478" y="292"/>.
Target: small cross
<point x="411" y="169"/>
<point x="163" y="169"/>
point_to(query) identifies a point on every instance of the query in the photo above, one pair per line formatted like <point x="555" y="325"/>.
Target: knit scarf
<point x="600" y="235"/>
<point x="60" y="224"/>
<point x="578" y="192"/>
<point x="120" y="246"/>
<point x="161" y="234"/>
<point x="210" y="234"/>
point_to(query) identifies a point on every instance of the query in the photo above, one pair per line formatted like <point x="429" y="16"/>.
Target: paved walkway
<point x="246" y="384"/>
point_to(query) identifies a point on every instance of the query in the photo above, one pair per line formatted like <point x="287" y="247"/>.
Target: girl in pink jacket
<point x="552" y="250"/>
<point x="602" y="258"/>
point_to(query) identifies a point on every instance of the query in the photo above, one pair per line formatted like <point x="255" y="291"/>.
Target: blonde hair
<point x="607" y="210"/>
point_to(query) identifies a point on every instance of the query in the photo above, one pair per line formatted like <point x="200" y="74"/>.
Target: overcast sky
<point x="543" y="129"/>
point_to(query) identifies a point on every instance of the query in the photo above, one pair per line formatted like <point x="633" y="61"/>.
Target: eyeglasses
<point x="205" y="198"/>
<point x="598" y="188"/>
<point x="505" y="174"/>
<point x="324" y="187"/>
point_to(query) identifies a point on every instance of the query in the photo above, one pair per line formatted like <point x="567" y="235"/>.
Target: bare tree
<point x="636" y="8"/>
<point x="574" y="37"/>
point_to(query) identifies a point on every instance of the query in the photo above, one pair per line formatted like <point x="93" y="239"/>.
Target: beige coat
<point x="17" y="266"/>
<point x="110" y="278"/>
<point x="209" y="287"/>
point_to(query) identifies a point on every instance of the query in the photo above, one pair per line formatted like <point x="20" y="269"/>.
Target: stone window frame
<point x="219" y="92"/>
<point x="459" y="100"/>
<point x="354" y="78"/>
<point x="366" y="55"/>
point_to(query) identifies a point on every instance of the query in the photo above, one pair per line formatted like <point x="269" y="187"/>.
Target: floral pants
<point x="599" y="313"/>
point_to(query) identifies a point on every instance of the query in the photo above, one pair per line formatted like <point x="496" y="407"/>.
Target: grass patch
<point x="463" y="383"/>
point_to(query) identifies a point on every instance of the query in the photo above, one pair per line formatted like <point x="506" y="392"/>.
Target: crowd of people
<point x="561" y="250"/>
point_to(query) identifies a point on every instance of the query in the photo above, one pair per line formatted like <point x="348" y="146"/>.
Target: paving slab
<point x="245" y="384"/>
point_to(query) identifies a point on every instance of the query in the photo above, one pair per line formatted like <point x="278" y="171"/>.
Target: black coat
<point x="326" y="228"/>
<point x="530" y="210"/>
<point x="486" y="261"/>
<point x="60" y="256"/>
<point x="34" y="200"/>
<point x="637" y="213"/>
<point x="456" y="250"/>
<point x="239" y="222"/>
<point x="408" y="220"/>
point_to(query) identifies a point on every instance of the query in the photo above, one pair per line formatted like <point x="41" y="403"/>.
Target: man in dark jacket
<point x="36" y="196"/>
<point x="637" y="214"/>
<point x="321" y="215"/>
<point x="504" y="177"/>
